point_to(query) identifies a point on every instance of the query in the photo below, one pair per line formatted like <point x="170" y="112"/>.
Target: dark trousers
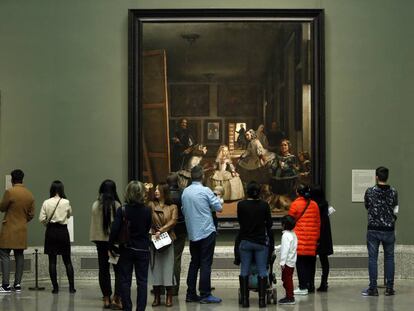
<point x="179" y="244"/>
<point x="202" y="252"/>
<point x="287" y="279"/>
<point x="323" y="258"/>
<point x="5" y="265"/>
<point x="305" y="267"/>
<point x="102" y="248"/>
<point x="129" y="260"/>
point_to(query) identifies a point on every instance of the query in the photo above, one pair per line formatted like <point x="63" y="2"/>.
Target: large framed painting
<point x="235" y="84"/>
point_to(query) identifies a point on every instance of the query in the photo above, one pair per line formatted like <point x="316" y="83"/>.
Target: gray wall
<point x="63" y="83"/>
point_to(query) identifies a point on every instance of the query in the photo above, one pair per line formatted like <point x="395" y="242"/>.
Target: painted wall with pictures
<point x="42" y="110"/>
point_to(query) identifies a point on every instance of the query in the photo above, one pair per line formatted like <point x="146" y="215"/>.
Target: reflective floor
<point x="342" y="295"/>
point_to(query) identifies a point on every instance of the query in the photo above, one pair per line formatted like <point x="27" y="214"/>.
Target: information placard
<point x="361" y="181"/>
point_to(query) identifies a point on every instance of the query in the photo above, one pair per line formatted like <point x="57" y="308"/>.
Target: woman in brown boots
<point x="164" y="218"/>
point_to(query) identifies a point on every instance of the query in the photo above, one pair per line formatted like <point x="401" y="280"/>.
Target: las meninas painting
<point x="239" y="92"/>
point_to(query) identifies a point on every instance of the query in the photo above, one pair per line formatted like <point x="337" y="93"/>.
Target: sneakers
<point x="17" y="288"/>
<point x="195" y="298"/>
<point x="5" y="289"/>
<point x="210" y="299"/>
<point x="300" y="292"/>
<point x="369" y="292"/>
<point x="389" y="292"/>
<point x="287" y="301"/>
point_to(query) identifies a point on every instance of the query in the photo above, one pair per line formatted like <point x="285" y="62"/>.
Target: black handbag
<point x="123" y="235"/>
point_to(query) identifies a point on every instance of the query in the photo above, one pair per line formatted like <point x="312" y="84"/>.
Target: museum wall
<point x="64" y="99"/>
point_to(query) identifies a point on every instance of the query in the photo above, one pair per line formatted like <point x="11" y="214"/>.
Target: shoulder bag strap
<point x="54" y="211"/>
<point x="304" y="210"/>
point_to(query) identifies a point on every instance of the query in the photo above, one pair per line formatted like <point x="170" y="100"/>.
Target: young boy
<point x="288" y="248"/>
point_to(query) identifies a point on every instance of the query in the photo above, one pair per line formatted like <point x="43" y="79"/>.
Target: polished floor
<point x="342" y="295"/>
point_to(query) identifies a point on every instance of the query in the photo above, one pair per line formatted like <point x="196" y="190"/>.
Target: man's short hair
<point x="17" y="176"/>
<point x="382" y="173"/>
<point x="197" y="173"/>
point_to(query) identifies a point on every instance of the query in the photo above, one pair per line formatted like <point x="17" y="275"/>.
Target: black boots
<point x="262" y="291"/>
<point x="71" y="278"/>
<point x="53" y="278"/>
<point x="244" y="291"/>
<point x="323" y="287"/>
<point x="324" y="284"/>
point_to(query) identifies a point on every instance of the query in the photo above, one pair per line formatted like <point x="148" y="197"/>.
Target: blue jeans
<point x="374" y="238"/>
<point x="129" y="260"/>
<point x="247" y="251"/>
<point x="202" y="252"/>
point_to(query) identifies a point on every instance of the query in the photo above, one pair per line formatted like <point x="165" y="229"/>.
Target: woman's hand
<point x="157" y="235"/>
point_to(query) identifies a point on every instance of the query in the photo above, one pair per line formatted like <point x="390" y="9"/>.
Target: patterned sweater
<point x="380" y="202"/>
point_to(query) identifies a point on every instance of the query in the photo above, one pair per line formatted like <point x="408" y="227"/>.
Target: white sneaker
<point x="300" y="292"/>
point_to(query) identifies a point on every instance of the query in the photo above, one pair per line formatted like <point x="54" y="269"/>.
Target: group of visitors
<point x="304" y="237"/>
<point x="121" y="234"/>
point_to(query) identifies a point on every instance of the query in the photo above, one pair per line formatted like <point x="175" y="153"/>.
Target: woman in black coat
<point x="325" y="247"/>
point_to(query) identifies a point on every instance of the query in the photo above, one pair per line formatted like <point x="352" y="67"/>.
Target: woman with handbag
<point x="307" y="229"/>
<point x="131" y="225"/>
<point x="255" y="219"/>
<point x="164" y="218"/>
<point x="103" y="214"/>
<point x="55" y="213"/>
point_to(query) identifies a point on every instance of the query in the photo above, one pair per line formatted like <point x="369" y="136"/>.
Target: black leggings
<point x="66" y="259"/>
<point x="69" y="269"/>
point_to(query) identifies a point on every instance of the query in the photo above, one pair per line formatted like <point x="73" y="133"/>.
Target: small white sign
<point x="361" y="181"/>
<point x="8" y="182"/>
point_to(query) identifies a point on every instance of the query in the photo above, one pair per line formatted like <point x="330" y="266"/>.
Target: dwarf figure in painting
<point x="284" y="167"/>
<point x="184" y="175"/>
<point x="225" y="175"/>
<point x="261" y="136"/>
<point x="304" y="168"/>
<point x="278" y="203"/>
<point x="254" y="161"/>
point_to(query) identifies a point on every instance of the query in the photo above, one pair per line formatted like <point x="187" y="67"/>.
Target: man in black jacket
<point x="381" y="202"/>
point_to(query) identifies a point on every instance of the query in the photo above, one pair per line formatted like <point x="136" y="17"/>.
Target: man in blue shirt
<point x="198" y="202"/>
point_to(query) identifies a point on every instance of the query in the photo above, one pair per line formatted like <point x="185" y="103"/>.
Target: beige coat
<point x="18" y="206"/>
<point x="96" y="232"/>
<point x="164" y="217"/>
